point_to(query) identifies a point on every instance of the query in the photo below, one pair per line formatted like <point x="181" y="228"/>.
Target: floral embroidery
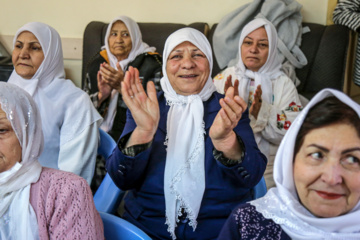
<point x="293" y="107"/>
<point x="282" y="123"/>
<point x="220" y="76"/>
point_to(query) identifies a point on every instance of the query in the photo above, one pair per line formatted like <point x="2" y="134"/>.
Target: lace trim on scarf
<point x="177" y="178"/>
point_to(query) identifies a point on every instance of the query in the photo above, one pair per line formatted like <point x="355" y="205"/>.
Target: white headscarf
<point x="184" y="178"/>
<point x="269" y="71"/>
<point x="17" y="217"/>
<point x="281" y="204"/>
<point x="54" y="94"/>
<point x="138" y="47"/>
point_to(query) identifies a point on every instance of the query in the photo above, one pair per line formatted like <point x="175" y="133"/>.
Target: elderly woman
<point x="187" y="155"/>
<point x="317" y="174"/>
<point x="37" y="202"/>
<point x="105" y="72"/>
<point x="272" y="97"/>
<point x="70" y="121"/>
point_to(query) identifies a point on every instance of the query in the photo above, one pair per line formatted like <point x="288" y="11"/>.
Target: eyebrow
<point x="264" y="39"/>
<point x="327" y="150"/>
<point x="351" y="150"/>
<point x="29" y="42"/>
<point x="320" y="147"/>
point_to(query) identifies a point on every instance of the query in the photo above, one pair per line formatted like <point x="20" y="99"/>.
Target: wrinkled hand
<point x="256" y="104"/>
<point x="228" y="83"/>
<point x="111" y="76"/>
<point x="144" y="107"/>
<point x="103" y="87"/>
<point x="232" y="108"/>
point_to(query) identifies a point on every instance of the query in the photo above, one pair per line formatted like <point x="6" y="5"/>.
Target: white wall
<point x="70" y="17"/>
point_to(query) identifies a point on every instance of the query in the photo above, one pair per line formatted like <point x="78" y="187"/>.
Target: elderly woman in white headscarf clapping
<point x="188" y="154"/>
<point x="37" y="202"/>
<point x="272" y="97"/>
<point x="70" y="121"/>
<point x="317" y="175"/>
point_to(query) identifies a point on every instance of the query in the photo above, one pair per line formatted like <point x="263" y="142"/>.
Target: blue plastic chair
<point x="260" y="189"/>
<point x="108" y="196"/>
<point x="118" y="228"/>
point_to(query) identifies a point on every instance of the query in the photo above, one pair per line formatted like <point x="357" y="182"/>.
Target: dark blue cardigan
<point x="225" y="187"/>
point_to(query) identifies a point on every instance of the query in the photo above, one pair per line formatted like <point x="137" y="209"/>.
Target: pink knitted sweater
<point x="64" y="207"/>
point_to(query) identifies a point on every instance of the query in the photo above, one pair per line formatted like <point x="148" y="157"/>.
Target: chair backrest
<point x="118" y="228"/>
<point x="108" y="196"/>
<point x="260" y="189"/>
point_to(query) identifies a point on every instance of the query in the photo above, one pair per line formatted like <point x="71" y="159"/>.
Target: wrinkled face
<point x="255" y="49"/>
<point x="327" y="170"/>
<point x="120" y="41"/>
<point x="187" y="69"/>
<point x="10" y="149"/>
<point x="27" y="55"/>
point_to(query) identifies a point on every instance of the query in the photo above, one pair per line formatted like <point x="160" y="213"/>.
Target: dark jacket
<point x="225" y="187"/>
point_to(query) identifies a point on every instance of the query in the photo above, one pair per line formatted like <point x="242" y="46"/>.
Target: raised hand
<point x="228" y="83"/>
<point x="144" y="107"/>
<point x="221" y="131"/>
<point x="111" y="76"/>
<point x="256" y="104"/>
<point x="103" y="87"/>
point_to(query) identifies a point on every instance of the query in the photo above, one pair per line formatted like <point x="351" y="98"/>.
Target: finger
<point x="128" y="81"/>
<point x="151" y="91"/>
<point x="230" y="92"/>
<point x="236" y="87"/>
<point x="232" y="109"/>
<point x="138" y="81"/>
<point x="227" y="83"/>
<point x="239" y="100"/>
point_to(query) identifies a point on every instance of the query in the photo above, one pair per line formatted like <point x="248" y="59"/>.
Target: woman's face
<point x="10" y="149"/>
<point x="120" y="41"/>
<point x="255" y="49"/>
<point x="187" y="69"/>
<point x="27" y="55"/>
<point x="327" y="170"/>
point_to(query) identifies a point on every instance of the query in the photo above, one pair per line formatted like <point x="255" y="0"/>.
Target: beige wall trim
<point x="72" y="47"/>
<point x="330" y="10"/>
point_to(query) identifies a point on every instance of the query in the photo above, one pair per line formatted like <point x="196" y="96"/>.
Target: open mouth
<point x="188" y="76"/>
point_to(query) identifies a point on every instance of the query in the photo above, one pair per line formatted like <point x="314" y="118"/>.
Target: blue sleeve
<point x="249" y="172"/>
<point x="125" y="171"/>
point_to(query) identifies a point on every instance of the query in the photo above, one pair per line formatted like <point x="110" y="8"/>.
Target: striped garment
<point x="347" y="13"/>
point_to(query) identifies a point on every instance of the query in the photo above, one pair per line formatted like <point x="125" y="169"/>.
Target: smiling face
<point x="255" y="49"/>
<point x="327" y="170"/>
<point x="187" y="69"/>
<point x="10" y="149"/>
<point x="27" y="55"/>
<point x="120" y="43"/>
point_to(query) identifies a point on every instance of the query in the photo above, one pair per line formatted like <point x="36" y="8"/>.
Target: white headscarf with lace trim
<point x="184" y="179"/>
<point x="282" y="205"/>
<point x="17" y="217"/>
<point x="138" y="47"/>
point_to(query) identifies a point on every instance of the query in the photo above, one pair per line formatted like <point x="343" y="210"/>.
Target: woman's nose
<point x="24" y="53"/>
<point x="187" y="62"/>
<point x="253" y="48"/>
<point x="332" y="173"/>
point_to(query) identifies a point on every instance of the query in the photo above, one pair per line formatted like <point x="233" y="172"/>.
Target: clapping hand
<point x="221" y="131"/>
<point x="256" y="104"/>
<point x="144" y="107"/>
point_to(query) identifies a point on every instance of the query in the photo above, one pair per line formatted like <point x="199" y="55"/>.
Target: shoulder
<point x="57" y="179"/>
<point x="252" y="224"/>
